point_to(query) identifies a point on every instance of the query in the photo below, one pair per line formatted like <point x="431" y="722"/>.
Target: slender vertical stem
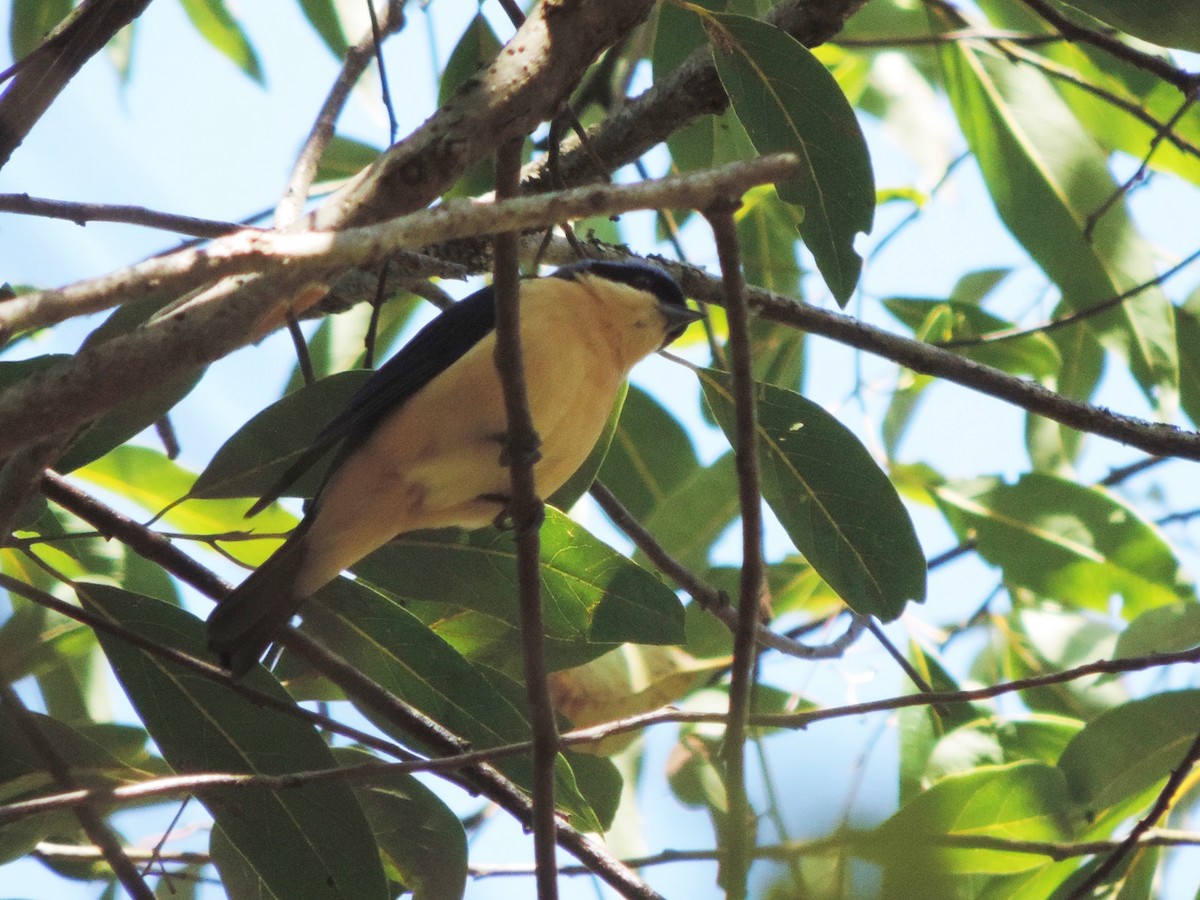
<point x="525" y="510"/>
<point x="739" y="830"/>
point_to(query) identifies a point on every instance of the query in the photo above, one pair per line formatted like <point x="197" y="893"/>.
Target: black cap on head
<point x="640" y="275"/>
<point x="644" y="277"/>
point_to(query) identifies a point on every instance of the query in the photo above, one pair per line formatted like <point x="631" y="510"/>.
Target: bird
<point x="420" y="445"/>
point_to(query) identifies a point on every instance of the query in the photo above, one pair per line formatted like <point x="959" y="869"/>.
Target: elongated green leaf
<point x="1047" y="177"/>
<point x="1104" y="92"/>
<point x="218" y="26"/>
<point x="689" y="519"/>
<point x="1022" y="801"/>
<point x="248" y="464"/>
<point x="1187" y="321"/>
<point x="311" y="841"/>
<point x="31" y="21"/>
<point x="1054" y="447"/>
<point x="392" y="647"/>
<point x="835" y="503"/>
<point x="787" y="100"/>
<point x="1169" y="23"/>
<point x="1164" y="629"/>
<point x="590" y="593"/>
<point x="416" y="831"/>
<point x="344" y="158"/>
<point x="1128" y="749"/>
<point x="1078" y="545"/>
<point x="324" y="18"/>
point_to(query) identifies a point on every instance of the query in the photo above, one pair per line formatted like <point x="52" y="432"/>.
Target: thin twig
<point x="304" y="170"/>
<point x="1071" y="318"/>
<point x="526" y="512"/>
<point x="82" y="213"/>
<point x="740" y="825"/>
<point x="93" y="823"/>
<point x="1162" y="804"/>
<point x="1155" y="65"/>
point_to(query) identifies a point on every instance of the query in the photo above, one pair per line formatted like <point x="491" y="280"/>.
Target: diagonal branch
<point x="41" y="76"/>
<point x="215" y="323"/>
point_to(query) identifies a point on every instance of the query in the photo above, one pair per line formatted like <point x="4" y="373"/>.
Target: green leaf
<point x="1164" y="629"/>
<point x="310" y="841"/>
<point x="152" y="481"/>
<point x="31" y="21"/>
<point x="1129" y="749"/>
<point x="835" y="503"/>
<point x="688" y="520"/>
<point x="767" y="242"/>
<point x="997" y="740"/>
<point x="1078" y="545"/>
<point x="577" y="485"/>
<point x="396" y="650"/>
<point x="1187" y="324"/>
<point x="1054" y="447"/>
<point x="1046" y="176"/>
<point x="590" y="593"/>
<point x="788" y="101"/>
<point x="1104" y="91"/>
<point x="649" y="457"/>
<point x="1172" y="23"/>
<point x="219" y="27"/>
<point x="418" y="834"/>
<point x="248" y="464"/>
<point x="1022" y="801"/>
<point x="324" y="18"/>
<point x="344" y="158"/>
<point x="939" y="321"/>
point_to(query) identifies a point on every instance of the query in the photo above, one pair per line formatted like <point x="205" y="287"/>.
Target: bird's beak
<point x="679" y="317"/>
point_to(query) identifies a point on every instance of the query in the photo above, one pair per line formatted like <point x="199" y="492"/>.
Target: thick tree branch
<point x="63" y="397"/>
<point x="525" y="85"/>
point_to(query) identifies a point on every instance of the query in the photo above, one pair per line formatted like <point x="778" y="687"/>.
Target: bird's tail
<point x="246" y="621"/>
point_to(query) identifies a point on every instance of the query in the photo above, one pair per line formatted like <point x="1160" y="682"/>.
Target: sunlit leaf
<point x="1022" y="801"/>
<point x="1077" y="544"/>
<point x="1164" y="629"/>
<point x="1130" y="748"/>
<point x="1047" y="176"/>
<point x="221" y="29"/>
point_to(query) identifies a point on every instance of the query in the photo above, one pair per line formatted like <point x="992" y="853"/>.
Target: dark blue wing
<point x="431" y="351"/>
